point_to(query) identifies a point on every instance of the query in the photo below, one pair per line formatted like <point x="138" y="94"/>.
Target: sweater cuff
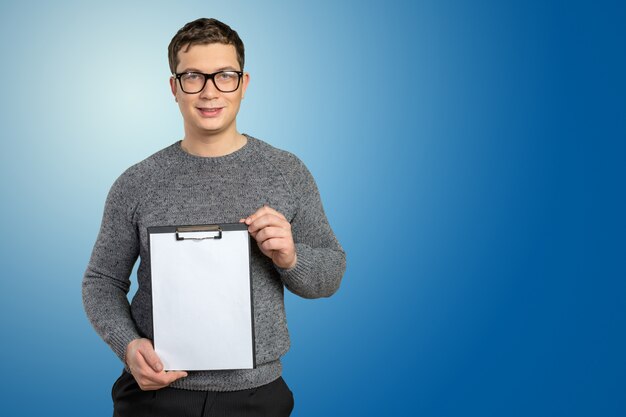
<point x="119" y="342"/>
<point x="300" y="274"/>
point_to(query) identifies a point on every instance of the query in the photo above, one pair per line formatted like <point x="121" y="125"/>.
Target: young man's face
<point x="209" y="112"/>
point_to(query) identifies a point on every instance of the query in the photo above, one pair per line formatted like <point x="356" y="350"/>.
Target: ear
<point x="245" y="79"/>
<point x="173" y="87"/>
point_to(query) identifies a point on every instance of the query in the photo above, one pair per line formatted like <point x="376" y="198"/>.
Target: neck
<point x="213" y="145"/>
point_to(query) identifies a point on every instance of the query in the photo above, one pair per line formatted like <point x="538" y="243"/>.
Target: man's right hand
<point x="146" y="366"/>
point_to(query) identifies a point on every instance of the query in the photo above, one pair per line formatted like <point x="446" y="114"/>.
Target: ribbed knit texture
<point x="173" y="187"/>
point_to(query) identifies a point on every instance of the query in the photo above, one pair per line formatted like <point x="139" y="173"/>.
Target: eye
<point x="192" y="76"/>
<point x="226" y="76"/>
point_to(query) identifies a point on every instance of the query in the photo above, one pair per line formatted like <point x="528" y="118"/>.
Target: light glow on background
<point x="470" y="158"/>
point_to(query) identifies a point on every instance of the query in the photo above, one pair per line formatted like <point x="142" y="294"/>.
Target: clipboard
<point x="203" y="317"/>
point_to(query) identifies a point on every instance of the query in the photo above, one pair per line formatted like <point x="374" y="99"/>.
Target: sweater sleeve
<point x="321" y="261"/>
<point x="107" y="279"/>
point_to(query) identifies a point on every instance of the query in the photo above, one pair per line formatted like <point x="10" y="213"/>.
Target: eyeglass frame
<point x="207" y="77"/>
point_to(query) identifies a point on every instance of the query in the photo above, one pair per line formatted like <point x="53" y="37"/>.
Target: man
<point x="214" y="175"/>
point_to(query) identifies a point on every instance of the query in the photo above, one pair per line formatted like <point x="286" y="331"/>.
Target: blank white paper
<point x="201" y="295"/>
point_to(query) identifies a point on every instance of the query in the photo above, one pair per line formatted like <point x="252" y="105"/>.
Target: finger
<point x="149" y="379"/>
<point x="270" y="210"/>
<point x="281" y="251"/>
<point x="151" y="357"/>
<point x="271" y="232"/>
<point x="263" y="211"/>
<point x="268" y="220"/>
<point x="166" y="378"/>
<point x="174" y="375"/>
<point x="143" y="373"/>
<point x="260" y="212"/>
<point x="142" y="368"/>
<point x="275" y="244"/>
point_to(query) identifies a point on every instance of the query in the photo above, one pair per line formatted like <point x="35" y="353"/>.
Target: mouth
<point x="209" y="111"/>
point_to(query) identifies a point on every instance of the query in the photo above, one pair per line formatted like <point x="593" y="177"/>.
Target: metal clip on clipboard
<point x="200" y="232"/>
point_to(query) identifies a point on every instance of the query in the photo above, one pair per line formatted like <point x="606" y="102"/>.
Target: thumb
<point x="151" y="358"/>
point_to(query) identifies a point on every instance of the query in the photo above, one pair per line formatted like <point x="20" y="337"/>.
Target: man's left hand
<point x="272" y="232"/>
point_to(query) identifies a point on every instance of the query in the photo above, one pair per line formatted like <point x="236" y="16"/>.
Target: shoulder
<point x="284" y="161"/>
<point x="291" y="168"/>
<point x="137" y="176"/>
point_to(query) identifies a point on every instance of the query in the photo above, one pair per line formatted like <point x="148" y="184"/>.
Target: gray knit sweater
<point x="173" y="187"/>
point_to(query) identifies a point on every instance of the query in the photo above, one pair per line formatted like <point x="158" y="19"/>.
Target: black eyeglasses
<point x="193" y="82"/>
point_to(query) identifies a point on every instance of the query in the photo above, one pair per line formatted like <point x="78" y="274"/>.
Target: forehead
<point x="207" y="58"/>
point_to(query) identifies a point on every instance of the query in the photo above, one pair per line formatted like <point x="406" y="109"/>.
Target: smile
<point x="209" y="111"/>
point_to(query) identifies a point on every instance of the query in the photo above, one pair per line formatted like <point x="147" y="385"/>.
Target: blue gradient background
<point x="471" y="160"/>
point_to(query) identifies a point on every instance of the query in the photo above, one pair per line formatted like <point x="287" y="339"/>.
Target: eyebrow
<point x="192" y="69"/>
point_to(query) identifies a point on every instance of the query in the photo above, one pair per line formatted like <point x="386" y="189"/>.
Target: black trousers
<point x="274" y="399"/>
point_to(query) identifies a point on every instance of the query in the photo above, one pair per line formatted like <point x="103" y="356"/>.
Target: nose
<point x="209" y="91"/>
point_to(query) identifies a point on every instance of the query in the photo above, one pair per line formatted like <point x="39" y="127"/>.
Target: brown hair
<point x="202" y="32"/>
